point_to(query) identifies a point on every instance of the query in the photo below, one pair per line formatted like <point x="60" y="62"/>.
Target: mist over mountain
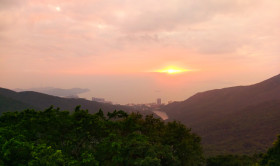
<point x="242" y="119"/>
<point x="236" y="120"/>
<point x="18" y="101"/>
<point x="57" y="91"/>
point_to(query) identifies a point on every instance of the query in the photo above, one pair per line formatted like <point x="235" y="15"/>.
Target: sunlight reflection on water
<point x="161" y="114"/>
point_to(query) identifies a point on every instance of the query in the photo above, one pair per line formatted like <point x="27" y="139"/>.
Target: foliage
<point x="54" y="137"/>
<point x="233" y="160"/>
<point x="272" y="157"/>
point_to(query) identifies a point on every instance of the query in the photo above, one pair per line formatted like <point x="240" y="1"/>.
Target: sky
<point x="115" y="48"/>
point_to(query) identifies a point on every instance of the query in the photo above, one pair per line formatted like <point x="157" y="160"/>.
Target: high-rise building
<point x="158" y="101"/>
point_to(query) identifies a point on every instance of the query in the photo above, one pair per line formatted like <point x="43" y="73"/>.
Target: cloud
<point x="41" y="46"/>
<point x="8" y="4"/>
<point x="167" y="15"/>
<point x="121" y="29"/>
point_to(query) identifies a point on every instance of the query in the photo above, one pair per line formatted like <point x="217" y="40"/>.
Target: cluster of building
<point x="148" y="106"/>
<point x="156" y="107"/>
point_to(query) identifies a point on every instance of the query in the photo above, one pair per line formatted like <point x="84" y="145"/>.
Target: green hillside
<point x="236" y="120"/>
<point x="54" y="137"/>
<point x="9" y="104"/>
<point x="23" y="100"/>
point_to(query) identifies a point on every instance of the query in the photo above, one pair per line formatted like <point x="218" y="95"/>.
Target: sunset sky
<point x="119" y="48"/>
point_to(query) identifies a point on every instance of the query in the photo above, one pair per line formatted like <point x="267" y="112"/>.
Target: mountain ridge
<point x="36" y="100"/>
<point x="217" y="114"/>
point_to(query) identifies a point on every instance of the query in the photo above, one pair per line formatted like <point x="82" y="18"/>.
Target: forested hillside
<point x="12" y="101"/>
<point x="54" y="137"/>
<point x="240" y="120"/>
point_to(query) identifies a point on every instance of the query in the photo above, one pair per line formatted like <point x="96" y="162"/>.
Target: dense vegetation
<point x="272" y="157"/>
<point x="54" y="137"/>
<point x="241" y="120"/>
<point x="233" y="160"/>
<point x="235" y="120"/>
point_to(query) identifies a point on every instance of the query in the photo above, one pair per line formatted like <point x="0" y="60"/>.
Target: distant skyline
<point x="122" y="50"/>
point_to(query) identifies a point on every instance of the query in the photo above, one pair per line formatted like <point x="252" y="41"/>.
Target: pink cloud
<point x="125" y="37"/>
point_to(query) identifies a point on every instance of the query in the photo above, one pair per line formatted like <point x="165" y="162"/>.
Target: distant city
<point x="155" y="106"/>
<point x="158" y="102"/>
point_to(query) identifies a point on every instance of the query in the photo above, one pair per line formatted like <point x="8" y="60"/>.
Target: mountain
<point x="56" y="91"/>
<point x="242" y="119"/>
<point x="18" y="101"/>
<point x="7" y="103"/>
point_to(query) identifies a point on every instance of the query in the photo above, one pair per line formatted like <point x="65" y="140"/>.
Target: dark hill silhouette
<point x="18" y="101"/>
<point x="56" y="91"/>
<point x="242" y="119"/>
<point x="7" y="104"/>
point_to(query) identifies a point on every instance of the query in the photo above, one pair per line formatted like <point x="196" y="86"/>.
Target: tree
<point x="272" y="157"/>
<point x="232" y="160"/>
<point x="54" y="137"/>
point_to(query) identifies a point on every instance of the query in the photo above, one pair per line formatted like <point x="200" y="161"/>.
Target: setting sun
<point x="58" y="8"/>
<point x="172" y="70"/>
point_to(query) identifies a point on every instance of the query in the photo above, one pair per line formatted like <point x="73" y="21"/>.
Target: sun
<point x="172" y="70"/>
<point x="58" y="8"/>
